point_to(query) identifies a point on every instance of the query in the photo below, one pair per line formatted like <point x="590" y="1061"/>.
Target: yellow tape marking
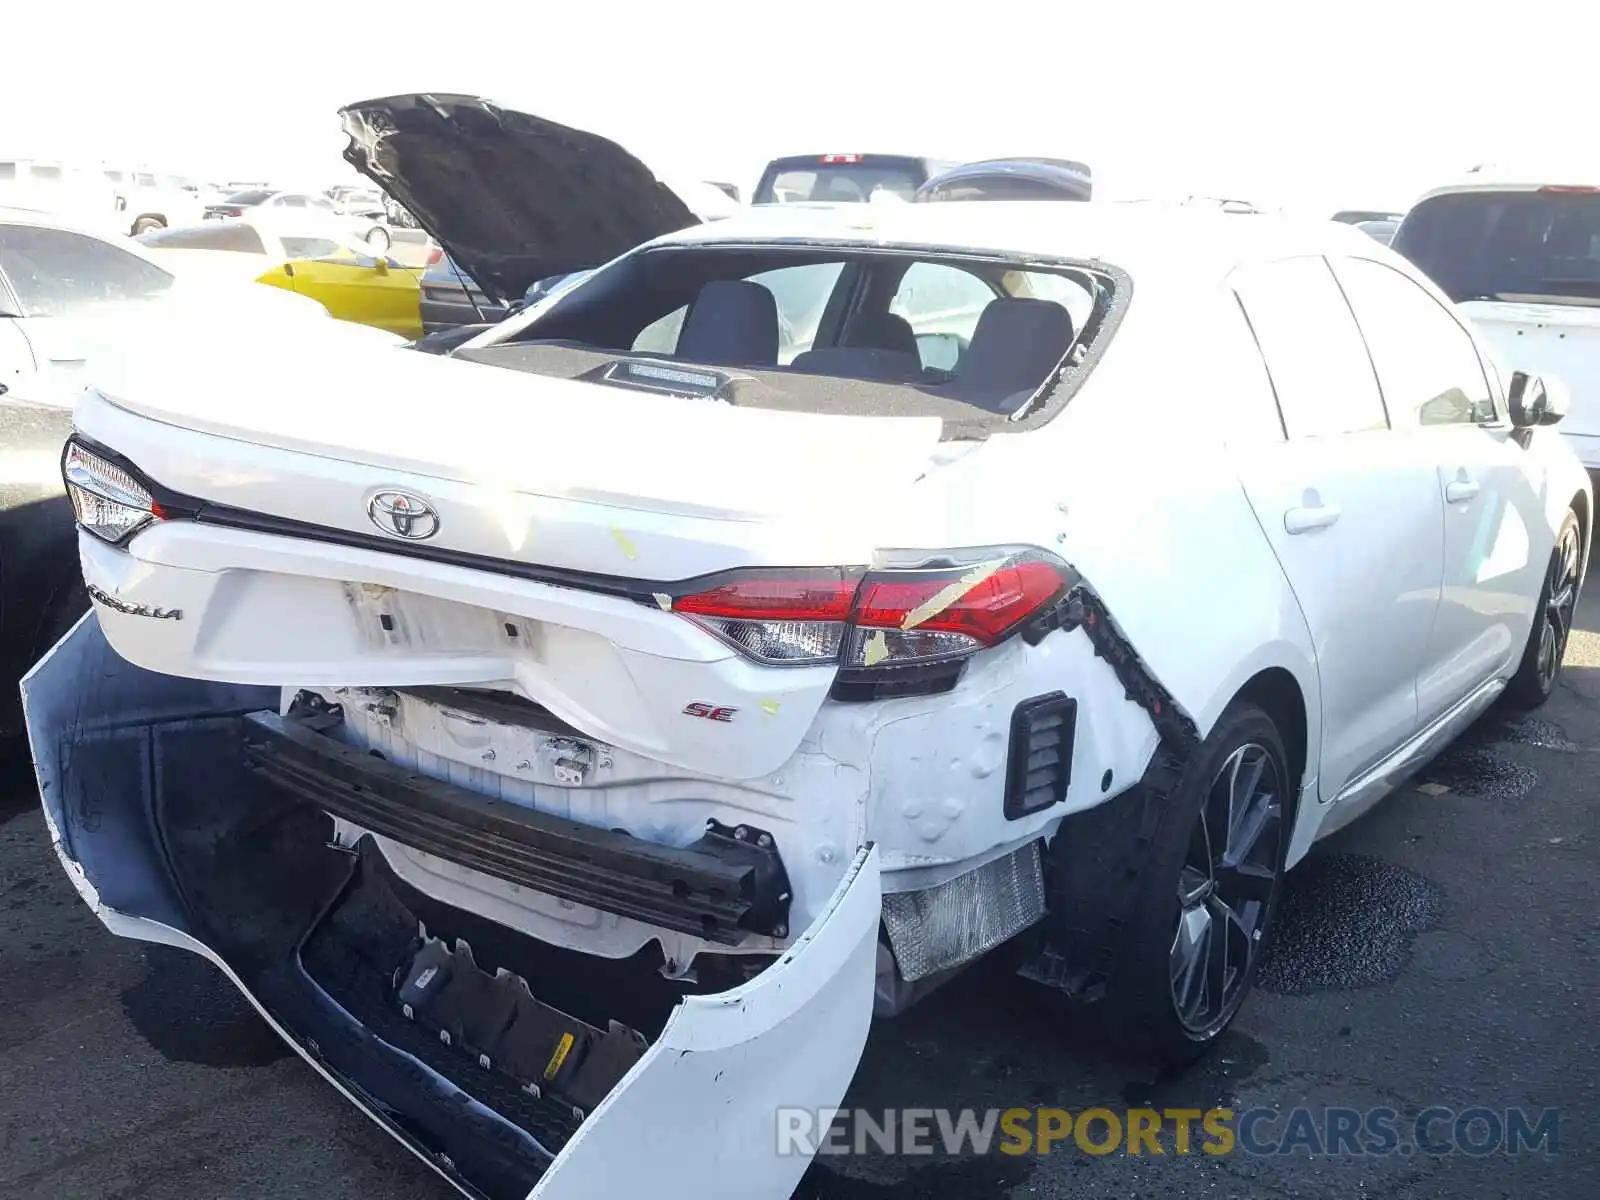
<point x="563" y="1048"/>
<point x="876" y="649"/>
<point x="949" y="594"/>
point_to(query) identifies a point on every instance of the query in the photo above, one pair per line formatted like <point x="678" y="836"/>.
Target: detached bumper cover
<point x="168" y="838"/>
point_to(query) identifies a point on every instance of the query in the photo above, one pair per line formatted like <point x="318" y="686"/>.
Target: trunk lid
<point x="561" y="512"/>
<point x="511" y="197"/>
<point x="507" y="433"/>
<point x="1560" y="340"/>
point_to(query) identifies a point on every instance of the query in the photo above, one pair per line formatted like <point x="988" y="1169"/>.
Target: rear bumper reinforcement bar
<point x="726" y="884"/>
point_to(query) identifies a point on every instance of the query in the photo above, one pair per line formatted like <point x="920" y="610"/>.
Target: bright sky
<point x="1314" y="106"/>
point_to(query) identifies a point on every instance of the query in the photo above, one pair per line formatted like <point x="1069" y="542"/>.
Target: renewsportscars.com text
<point x="1216" y="1131"/>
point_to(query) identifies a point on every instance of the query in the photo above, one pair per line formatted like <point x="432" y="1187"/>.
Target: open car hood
<point x="513" y="198"/>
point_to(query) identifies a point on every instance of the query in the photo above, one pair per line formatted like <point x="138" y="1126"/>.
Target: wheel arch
<point x="1277" y="693"/>
<point x="1580" y="505"/>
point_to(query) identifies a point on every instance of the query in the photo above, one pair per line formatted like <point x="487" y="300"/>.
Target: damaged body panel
<point x="543" y="1064"/>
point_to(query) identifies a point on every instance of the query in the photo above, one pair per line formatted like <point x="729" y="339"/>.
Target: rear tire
<point x="378" y="240"/>
<point x="1190" y="950"/>
<point x="1540" y="668"/>
<point x="146" y="224"/>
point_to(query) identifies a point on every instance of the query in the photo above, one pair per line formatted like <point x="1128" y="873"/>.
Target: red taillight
<point x="842" y="158"/>
<point x="435" y="253"/>
<point x="1570" y="189"/>
<point x="985" y="602"/>
<point x="881" y="618"/>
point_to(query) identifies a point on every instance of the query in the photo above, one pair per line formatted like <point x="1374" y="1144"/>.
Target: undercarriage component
<point x="728" y="883"/>
<point x="938" y="928"/>
<point x="496" y="1019"/>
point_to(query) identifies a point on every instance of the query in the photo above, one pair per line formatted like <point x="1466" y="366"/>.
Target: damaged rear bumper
<point x="172" y="838"/>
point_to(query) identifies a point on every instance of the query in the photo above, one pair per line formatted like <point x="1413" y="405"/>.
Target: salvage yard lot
<point x="1442" y="951"/>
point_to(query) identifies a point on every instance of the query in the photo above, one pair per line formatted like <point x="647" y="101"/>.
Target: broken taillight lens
<point x="794" y="618"/>
<point x="891" y="617"/>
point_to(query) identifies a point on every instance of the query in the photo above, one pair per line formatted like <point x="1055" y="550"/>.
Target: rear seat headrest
<point x="731" y="323"/>
<point x="1017" y="342"/>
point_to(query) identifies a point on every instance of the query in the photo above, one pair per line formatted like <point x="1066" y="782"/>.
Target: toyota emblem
<point x="403" y="515"/>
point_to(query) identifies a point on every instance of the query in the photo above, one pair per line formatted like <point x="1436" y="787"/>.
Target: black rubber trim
<point x="1080" y="608"/>
<point x="718" y="888"/>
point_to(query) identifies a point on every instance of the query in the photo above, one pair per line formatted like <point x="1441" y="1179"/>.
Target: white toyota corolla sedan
<point x="569" y="743"/>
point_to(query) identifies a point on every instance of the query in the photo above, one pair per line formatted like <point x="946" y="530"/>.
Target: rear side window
<point x="1427" y="364"/>
<point x="234" y="236"/>
<point x="935" y="298"/>
<point x="56" y="273"/>
<point x="1314" y="353"/>
<point x="846" y="182"/>
<point x="1517" y="246"/>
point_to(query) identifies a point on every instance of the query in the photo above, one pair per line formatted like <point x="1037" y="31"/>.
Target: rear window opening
<point x="1520" y="246"/>
<point x="839" y="179"/>
<point x="973" y="340"/>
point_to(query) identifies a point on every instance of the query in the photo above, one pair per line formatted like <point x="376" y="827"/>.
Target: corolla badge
<point x="403" y="515"/>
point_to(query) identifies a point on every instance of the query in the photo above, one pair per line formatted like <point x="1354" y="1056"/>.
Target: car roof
<point x="1520" y="177"/>
<point x="12" y="215"/>
<point x="1148" y="237"/>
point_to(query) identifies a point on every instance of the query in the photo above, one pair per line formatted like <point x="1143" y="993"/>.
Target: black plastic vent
<point x="1040" y="764"/>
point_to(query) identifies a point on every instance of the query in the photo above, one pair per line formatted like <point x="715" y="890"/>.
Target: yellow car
<point x="336" y="270"/>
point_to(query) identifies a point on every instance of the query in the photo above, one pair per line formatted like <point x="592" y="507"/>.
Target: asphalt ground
<point x="1439" y="954"/>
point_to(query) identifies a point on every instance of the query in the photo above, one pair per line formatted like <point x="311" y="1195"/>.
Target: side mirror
<point x="1534" y="400"/>
<point x="381" y="265"/>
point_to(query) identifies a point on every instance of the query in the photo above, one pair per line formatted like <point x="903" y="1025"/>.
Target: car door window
<point x="936" y="298"/>
<point x="57" y="273"/>
<point x="1427" y="364"/>
<point x="1315" y="357"/>
<point x="801" y="294"/>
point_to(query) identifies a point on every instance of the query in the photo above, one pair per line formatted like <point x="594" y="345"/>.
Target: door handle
<point x="1458" y="491"/>
<point x="1305" y="519"/>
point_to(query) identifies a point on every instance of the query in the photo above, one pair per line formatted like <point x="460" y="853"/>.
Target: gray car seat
<point x="1017" y="343"/>
<point x="732" y="323"/>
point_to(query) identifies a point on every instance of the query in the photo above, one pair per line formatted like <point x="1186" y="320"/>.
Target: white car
<point x="245" y="248"/>
<point x="301" y="210"/>
<point x="1519" y="252"/>
<point x="569" y="748"/>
